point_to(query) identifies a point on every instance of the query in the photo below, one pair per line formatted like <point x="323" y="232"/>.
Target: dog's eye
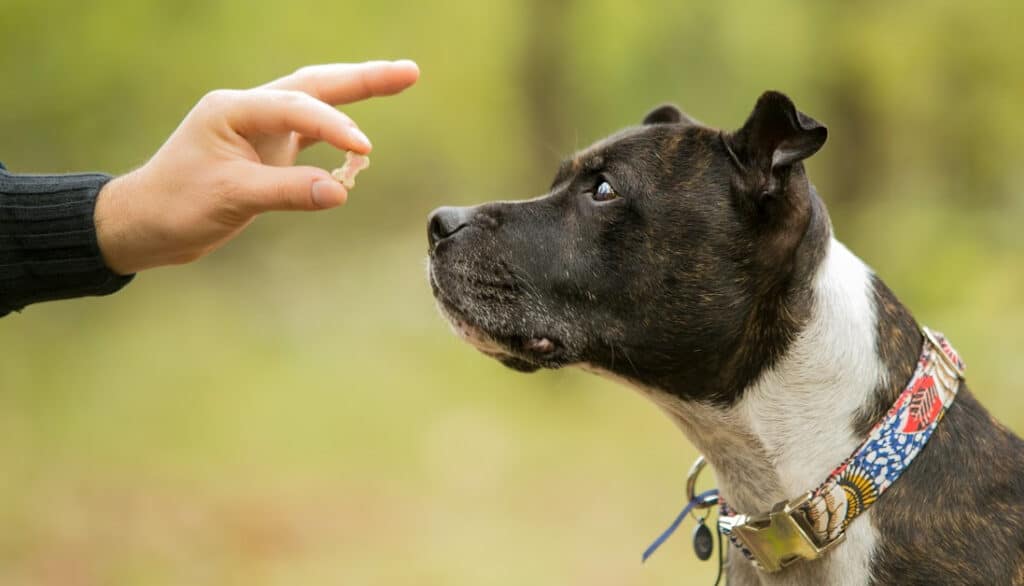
<point x="604" y="192"/>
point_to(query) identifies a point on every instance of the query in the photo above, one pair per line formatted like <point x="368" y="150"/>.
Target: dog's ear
<point x="667" y="114"/>
<point x="774" y="138"/>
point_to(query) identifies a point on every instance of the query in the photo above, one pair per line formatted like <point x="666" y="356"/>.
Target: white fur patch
<point x="803" y="408"/>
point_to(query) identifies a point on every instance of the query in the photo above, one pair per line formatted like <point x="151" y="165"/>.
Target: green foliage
<point x="291" y="410"/>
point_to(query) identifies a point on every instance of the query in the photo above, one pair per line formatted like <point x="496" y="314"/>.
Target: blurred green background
<point x="292" y="410"/>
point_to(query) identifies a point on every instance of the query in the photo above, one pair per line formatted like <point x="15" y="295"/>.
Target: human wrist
<point x="113" y="232"/>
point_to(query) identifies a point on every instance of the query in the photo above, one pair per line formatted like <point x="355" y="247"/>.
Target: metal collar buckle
<point x="780" y="537"/>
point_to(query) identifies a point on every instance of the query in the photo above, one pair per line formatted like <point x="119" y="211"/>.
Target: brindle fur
<point x="695" y="282"/>
<point x="960" y="506"/>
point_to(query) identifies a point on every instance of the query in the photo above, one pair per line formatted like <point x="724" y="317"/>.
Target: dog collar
<point x="810" y="525"/>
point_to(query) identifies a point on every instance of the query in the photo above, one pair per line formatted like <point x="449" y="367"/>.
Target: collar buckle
<point x="778" y="538"/>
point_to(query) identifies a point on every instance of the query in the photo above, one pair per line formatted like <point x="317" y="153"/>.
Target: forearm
<point x="48" y="246"/>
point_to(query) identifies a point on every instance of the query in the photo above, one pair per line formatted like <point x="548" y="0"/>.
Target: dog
<point x="699" y="267"/>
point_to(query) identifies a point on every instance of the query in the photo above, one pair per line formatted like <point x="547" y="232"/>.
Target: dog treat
<point x="354" y="163"/>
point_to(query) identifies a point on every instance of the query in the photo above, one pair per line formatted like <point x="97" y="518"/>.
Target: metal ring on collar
<point x="691" y="486"/>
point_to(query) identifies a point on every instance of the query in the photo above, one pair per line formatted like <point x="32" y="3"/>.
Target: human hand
<point x="231" y="159"/>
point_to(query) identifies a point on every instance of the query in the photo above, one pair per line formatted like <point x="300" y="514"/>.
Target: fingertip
<point x="409" y="65"/>
<point x="362" y="141"/>
<point x="404" y="72"/>
<point x="359" y="148"/>
<point x="328" y="193"/>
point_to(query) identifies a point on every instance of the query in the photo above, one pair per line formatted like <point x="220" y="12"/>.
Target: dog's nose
<point x="444" y="222"/>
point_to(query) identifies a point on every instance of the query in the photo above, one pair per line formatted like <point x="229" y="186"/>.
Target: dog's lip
<point x="537" y="345"/>
<point x="541" y="345"/>
<point x="538" y="350"/>
<point x="532" y="348"/>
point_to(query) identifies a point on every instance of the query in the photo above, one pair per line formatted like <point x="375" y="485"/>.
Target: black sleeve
<point x="48" y="246"/>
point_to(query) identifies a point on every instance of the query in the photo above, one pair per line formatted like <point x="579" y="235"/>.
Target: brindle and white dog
<point x="699" y="266"/>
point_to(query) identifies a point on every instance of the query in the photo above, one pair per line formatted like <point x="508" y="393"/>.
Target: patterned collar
<point x="813" y="523"/>
<point x="810" y="525"/>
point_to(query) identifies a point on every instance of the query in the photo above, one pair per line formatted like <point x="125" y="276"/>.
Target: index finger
<point x="342" y="83"/>
<point x="279" y="112"/>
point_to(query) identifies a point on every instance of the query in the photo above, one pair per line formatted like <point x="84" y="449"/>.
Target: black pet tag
<point x="702" y="541"/>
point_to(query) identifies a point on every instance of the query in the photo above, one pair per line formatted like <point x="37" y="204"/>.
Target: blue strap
<point x="679" y="519"/>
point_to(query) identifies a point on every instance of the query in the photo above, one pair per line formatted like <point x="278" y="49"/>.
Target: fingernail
<point x="324" y="191"/>
<point x="362" y="138"/>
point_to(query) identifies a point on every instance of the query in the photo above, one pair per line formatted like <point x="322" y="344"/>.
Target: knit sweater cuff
<point x="48" y="245"/>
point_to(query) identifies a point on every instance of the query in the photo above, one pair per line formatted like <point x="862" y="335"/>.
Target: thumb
<point x="291" y="189"/>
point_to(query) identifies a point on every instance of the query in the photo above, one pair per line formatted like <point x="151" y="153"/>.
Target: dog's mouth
<point x="522" y="353"/>
<point x="525" y="353"/>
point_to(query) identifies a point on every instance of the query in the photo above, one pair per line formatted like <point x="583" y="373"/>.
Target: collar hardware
<point x="704" y="500"/>
<point x="780" y="537"/>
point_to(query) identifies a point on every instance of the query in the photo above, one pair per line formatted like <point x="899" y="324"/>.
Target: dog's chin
<point x="520" y="353"/>
<point x="518" y="364"/>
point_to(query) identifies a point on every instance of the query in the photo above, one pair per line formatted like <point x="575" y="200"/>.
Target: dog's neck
<point x="806" y="413"/>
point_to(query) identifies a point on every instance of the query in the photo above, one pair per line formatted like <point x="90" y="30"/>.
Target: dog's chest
<point x="796" y="423"/>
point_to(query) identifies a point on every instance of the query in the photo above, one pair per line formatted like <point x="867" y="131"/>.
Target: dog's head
<point x="671" y="254"/>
